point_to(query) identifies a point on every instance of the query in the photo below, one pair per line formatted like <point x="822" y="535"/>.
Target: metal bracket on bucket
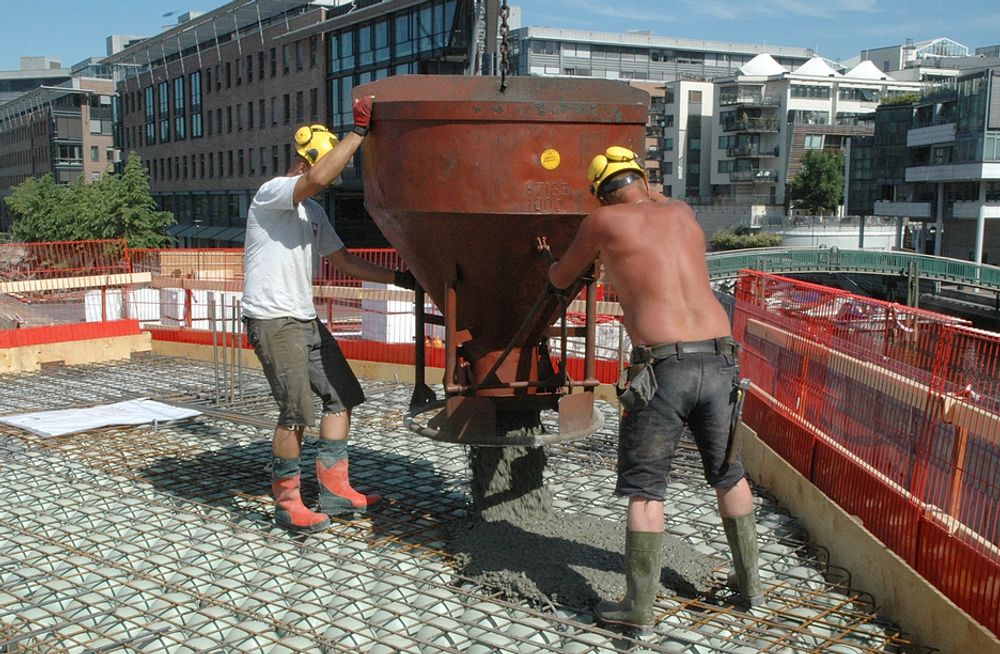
<point x="464" y="417"/>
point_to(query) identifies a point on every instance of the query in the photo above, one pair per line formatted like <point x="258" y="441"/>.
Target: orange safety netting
<point x="891" y="411"/>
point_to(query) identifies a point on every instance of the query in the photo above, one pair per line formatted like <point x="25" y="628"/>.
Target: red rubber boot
<point x="336" y="497"/>
<point x="290" y="512"/>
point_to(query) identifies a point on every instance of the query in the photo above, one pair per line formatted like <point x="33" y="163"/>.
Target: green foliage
<point x="115" y="206"/>
<point x="726" y="239"/>
<point x="902" y="98"/>
<point x="819" y="186"/>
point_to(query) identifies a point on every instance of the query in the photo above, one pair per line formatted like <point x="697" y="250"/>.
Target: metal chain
<point x="504" y="45"/>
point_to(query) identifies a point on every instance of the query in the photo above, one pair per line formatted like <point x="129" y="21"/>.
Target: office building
<point x="210" y="104"/>
<point x="951" y="171"/>
<point x="64" y="130"/>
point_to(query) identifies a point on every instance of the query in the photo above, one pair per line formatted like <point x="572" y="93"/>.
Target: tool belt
<point x="637" y="383"/>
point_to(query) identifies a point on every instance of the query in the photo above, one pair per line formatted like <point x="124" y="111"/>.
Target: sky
<point x="72" y="30"/>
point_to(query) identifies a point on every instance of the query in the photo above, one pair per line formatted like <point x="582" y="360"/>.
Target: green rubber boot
<point x="741" y="533"/>
<point x="643" y="558"/>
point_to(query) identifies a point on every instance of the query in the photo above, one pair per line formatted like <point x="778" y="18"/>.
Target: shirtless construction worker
<point x="653" y="252"/>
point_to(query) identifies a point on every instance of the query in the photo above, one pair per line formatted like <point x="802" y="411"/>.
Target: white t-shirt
<point x="283" y="247"/>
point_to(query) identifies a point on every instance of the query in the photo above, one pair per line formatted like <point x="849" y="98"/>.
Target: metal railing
<point x="727" y="265"/>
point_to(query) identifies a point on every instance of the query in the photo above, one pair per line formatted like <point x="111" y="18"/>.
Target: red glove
<point x="362" y="114"/>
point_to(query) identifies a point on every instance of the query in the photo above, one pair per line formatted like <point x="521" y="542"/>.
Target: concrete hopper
<point x="463" y="178"/>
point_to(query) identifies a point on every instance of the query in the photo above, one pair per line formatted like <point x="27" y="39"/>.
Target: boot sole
<point x="640" y="629"/>
<point x="305" y="529"/>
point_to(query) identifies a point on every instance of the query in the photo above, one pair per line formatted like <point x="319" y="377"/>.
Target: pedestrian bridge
<point x="726" y="265"/>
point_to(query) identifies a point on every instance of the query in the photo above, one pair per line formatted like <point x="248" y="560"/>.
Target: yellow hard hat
<point x="312" y="142"/>
<point x="614" y="160"/>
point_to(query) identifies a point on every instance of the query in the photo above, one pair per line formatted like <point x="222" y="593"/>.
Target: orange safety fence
<point x="63" y="282"/>
<point x="891" y="411"/>
<point x="194" y="297"/>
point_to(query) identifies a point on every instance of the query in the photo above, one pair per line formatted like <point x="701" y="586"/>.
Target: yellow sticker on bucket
<point x="550" y="159"/>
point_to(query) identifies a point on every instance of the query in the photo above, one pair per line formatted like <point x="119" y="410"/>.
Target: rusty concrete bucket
<point x="462" y="179"/>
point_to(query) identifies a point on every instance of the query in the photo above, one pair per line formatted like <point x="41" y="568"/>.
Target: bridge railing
<point x="891" y="411"/>
<point x="727" y="265"/>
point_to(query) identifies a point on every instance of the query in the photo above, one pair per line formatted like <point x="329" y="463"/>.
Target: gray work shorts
<point x="697" y="390"/>
<point x="302" y="358"/>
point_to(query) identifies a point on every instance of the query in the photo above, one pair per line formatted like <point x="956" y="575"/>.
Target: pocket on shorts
<point x="253" y="335"/>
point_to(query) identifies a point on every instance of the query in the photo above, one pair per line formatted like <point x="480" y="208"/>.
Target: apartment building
<point x="766" y="118"/>
<point x="950" y="161"/>
<point x="211" y="103"/>
<point x="64" y="130"/>
<point x="684" y="115"/>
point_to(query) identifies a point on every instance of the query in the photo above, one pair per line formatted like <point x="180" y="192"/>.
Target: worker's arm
<point x="330" y="167"/>
<point x="579" y="257"/>
<point x="327" y="169"/>
<point x="354" y="266"/>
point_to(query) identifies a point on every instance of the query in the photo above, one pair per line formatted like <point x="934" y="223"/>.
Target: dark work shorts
<point x="302" y="358"/>
<point x="698" y="390"/>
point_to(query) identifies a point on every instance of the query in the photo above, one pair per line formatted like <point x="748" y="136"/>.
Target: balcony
<point x="755" y="175"/>
<point x="752" y="151"/>
<point x="902" y="209"/>
<point x="931" y="135"/>
<point x="969" y="209"/>
<point x="750" y="100"/>
<point x="751" y="125"/>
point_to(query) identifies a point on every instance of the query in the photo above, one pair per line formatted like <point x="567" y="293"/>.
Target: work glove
<point x="362" y="115"/>
<point x="405" y="279"/>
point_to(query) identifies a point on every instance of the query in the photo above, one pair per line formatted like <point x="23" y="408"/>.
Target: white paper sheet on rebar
<point x="141" y="411"/>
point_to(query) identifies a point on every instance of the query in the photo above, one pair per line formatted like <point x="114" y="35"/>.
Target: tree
<point x="115" y="206"/>
<point x="819" y="186"/>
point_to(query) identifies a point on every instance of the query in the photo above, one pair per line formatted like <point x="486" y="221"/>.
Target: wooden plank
<point x="67" y="283"/>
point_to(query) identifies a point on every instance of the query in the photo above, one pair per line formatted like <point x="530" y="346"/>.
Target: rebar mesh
<point x="159" y="539"/>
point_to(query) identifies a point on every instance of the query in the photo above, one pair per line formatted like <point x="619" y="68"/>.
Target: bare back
<point x="654" y="257"/>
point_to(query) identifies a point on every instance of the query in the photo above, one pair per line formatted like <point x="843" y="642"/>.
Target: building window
<point x="401" y="34"/>
<point x="150" y="116"/>
<point x="810" y="91"/>
<point x="229" y="74"/>
<point x="229" y="119"/>
<point x="194" y="81"/>
<point x="260" y="64"/>
<point x="250" y="115"/>
<point x="300" y="107"/>
<point x="249" y="69"/>
<point x="286" y="59"/>
<point x="694" y="96"/>
<point x="287" y="104"/>
<point x="299" y="56"/>
<point x="260" y="113"/>
<point x="180" y="124"/>
<point x="814" y="142"/>
<point x="274" y="62"/>
<point x="239" y="71"/>
<point x="313" y="48"/>
<point x="164" y="91"/>
<point x="95" y="153"/>
<point x="314" y="104"/>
